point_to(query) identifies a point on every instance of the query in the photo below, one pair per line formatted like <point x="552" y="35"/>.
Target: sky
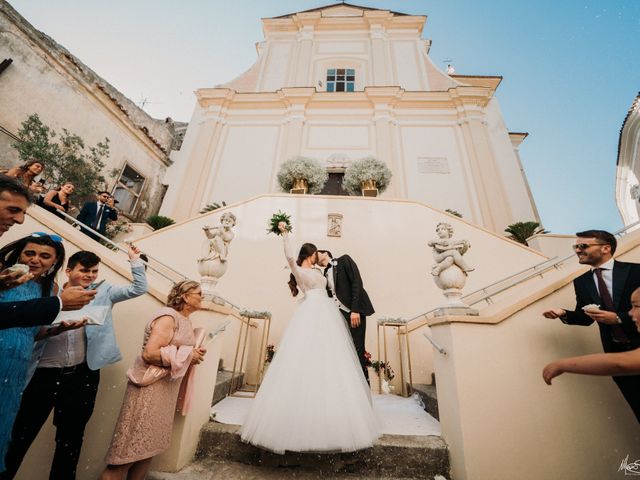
<point x="571" y="71"/>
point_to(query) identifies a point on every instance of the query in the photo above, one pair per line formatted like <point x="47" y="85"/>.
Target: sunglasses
<point x="584" y="246"/>
<point x="52" y="236"/>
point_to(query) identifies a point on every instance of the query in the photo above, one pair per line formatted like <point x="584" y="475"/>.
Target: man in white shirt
<point x="608" y="284"/>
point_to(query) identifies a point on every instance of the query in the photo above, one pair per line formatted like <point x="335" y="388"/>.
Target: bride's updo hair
<point x="307" y="250"/>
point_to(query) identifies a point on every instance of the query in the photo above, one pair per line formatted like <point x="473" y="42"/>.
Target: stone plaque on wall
<point x="433" y="165"/>
<point x="334" y="225"/>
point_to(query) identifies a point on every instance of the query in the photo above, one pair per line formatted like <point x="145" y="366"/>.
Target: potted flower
<point x="302" y="175"/>
<point x="384" y="372"/>
<point x="268" y="357"/>
<point x="367" y="176"/>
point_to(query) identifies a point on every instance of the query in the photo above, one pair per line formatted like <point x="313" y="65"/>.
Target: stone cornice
<point x="489" y="81"/>
<point x="369" y="18"/>
<point x="457" y="97"/>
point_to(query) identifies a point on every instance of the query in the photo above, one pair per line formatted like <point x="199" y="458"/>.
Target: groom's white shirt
<point x="332" y="287"/>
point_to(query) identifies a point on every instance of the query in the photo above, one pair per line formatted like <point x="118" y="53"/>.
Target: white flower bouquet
<point x="365" y="169"/>
<point x="302" y="168"/>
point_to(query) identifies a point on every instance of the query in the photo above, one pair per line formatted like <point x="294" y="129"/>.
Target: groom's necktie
<point x="96" y="223"/>
<point x="617" y="331"/>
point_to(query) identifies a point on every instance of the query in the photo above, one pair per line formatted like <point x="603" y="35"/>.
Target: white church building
<point x="343" y="82"/>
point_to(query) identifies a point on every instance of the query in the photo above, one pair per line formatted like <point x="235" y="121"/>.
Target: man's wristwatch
<point x="618" y="319"/>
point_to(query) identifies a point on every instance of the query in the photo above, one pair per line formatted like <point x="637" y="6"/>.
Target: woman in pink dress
<point x="145" y="424"/>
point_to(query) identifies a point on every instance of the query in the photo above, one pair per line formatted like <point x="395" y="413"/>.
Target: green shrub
<point x="159" y="221"/>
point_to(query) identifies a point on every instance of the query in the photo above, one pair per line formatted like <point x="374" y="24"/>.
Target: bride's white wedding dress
<point x="314" y="397"/>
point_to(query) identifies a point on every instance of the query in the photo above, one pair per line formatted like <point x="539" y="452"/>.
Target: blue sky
<point x="571" y="70"/>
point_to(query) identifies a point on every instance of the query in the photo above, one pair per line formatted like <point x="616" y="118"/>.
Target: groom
<point x="344" y="285"/>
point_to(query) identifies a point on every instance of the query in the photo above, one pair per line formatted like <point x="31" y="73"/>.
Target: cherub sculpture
<point x="219" y="238"/>
<point x="448" y="252"/>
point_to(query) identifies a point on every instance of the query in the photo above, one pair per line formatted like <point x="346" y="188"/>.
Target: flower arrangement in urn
<point x="302" y="173"/>
<point x="366" y="173"/>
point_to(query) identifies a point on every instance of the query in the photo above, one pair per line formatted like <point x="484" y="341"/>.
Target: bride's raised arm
<point x="288" y="252"/>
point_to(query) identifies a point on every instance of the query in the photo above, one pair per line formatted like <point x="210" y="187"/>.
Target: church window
<point x="341" y="80"/>
<point x="128" y="189"/>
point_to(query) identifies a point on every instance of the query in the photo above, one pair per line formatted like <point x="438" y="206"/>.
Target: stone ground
<point x="227" y="470"/>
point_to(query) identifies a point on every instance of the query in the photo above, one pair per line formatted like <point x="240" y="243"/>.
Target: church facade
<point x="343" y="82"/>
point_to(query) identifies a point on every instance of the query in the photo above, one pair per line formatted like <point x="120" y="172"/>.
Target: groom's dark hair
<point x="327" y="252"/>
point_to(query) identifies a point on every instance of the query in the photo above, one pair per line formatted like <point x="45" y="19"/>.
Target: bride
<point x="314" y="397"/>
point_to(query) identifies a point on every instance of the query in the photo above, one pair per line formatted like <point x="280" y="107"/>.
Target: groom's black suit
<point x="352" y="295"/>
<point x="626" y="278"/>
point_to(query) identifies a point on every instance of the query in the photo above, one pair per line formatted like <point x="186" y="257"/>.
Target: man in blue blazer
<point x="14" y="201"/>
<point x="97" y="214"/>
<point x="68" y="371"/>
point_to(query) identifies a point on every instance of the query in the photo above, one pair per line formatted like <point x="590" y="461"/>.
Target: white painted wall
<point x="387" y="238"/>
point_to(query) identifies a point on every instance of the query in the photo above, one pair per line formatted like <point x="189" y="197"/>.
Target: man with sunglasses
<point x="14" y="201"/>
<point x="97" y="214"/>
<point x="608" y="284"/>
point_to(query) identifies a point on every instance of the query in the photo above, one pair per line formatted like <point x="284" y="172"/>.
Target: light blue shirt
<point x="101" y="345"/>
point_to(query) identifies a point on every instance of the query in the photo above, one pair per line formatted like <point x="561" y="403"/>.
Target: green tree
<point x="520" y="231"/>
<point x="212" y="206"/>
<point x="65" y="160"/>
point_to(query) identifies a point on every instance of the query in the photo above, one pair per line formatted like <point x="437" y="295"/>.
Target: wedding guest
<point x="44" y="255"/>
<point x="97" y="214"/>
<point x="608" y="364"/>
<point x="14" y="201"/>
<point x="27" y="173"/>
<point x="603" y="296"/>
<point x="68" y="374"/>
<point x="144" y="427"/>
<point x="59" y="200"/>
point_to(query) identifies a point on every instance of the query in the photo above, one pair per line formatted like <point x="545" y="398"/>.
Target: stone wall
<point x="47" y="79"/>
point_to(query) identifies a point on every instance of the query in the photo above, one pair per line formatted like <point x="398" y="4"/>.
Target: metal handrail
<point x="435" y="344"/>
<point x="535" y="272"/>
<point x="76" y="222"/>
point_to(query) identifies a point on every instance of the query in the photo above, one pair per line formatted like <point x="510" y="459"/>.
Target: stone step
<point x="392" y="456"/>
<point x="429" y="396"/>
<point x="208" y="469"/>
<point x="223" y="381"/>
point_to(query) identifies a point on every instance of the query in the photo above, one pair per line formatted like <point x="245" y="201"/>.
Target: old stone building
<point x="41" y="76"/>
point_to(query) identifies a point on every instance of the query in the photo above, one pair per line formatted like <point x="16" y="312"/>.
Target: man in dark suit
<point x="97" y="214"/>
<point x="14" y="201"/>
<point x="344" y="285"/>
<point x="609" y="285"/>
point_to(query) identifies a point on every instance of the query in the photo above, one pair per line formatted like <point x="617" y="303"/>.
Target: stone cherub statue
<point x="213" y="263"/>
<point x="219" y="238"/>
<point x="447" y="251"/>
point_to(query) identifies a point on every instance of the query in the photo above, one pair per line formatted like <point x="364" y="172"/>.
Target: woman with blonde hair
<point x="144" y="427"/>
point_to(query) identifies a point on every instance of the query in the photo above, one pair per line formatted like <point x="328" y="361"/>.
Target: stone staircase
<point x="221" y="454"/>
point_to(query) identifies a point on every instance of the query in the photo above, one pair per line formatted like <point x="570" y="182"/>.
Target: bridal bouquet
<point x="276" y="219"/>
